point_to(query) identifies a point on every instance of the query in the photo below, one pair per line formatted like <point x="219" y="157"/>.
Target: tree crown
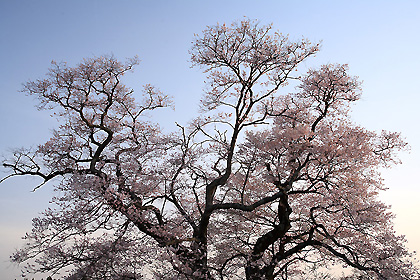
<point x="261" y="184"/>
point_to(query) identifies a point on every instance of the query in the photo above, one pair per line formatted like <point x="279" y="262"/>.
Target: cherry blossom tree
<point x="260" y="185"/>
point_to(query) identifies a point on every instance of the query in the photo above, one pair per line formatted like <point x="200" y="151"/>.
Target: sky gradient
<point x="378" y="39"/>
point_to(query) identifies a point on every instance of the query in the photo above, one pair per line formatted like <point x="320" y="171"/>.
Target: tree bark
<point x="254" y="271"/>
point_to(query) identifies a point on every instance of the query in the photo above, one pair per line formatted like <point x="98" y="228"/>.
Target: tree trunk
<point x="254" y="271"/>
<point x="200" y="264"/>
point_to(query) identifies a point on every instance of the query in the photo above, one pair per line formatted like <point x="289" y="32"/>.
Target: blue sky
<point x="378" y="39"/>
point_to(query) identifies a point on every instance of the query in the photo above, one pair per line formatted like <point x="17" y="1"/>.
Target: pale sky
<point x="380" y="41"/>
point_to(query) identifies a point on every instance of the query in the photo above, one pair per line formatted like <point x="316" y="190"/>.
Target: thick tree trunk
<point x="194" y="261"/>
<point x="200" y="269"/>
<point x="254" y="270"/>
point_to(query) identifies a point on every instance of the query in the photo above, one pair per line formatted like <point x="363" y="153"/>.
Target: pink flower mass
<point x="261" y="185"/>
